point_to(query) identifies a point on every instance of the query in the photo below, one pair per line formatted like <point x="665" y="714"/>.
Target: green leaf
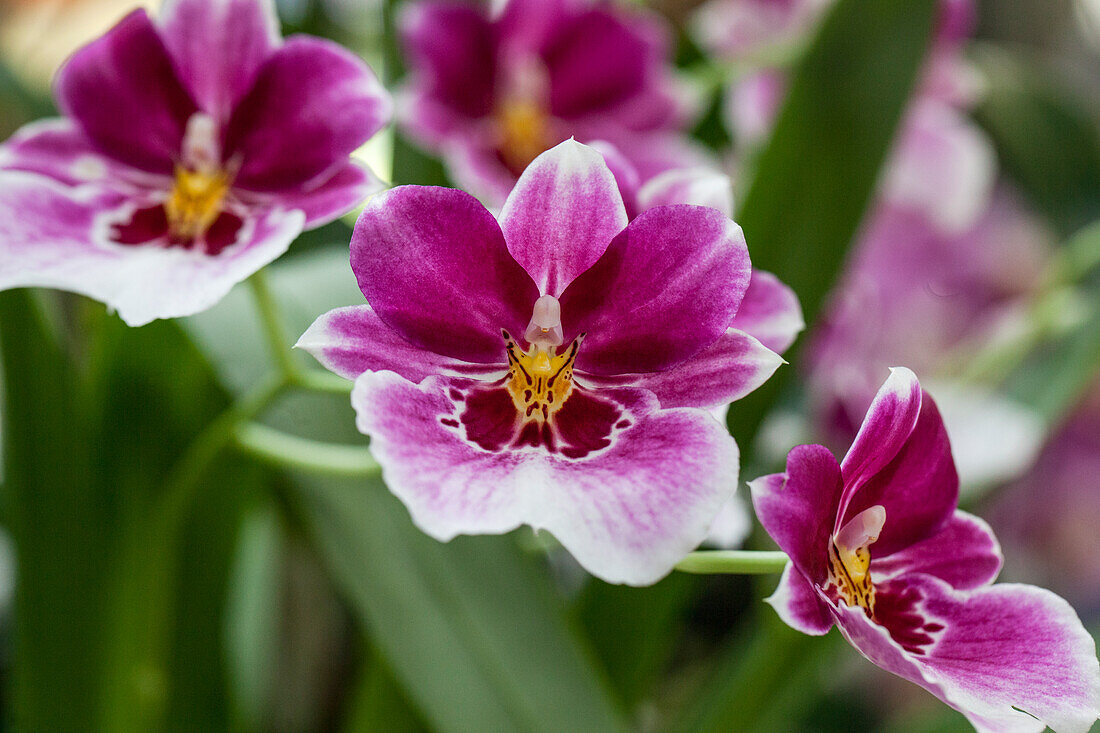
<point x="58" y="522"/>
<point x="754" y="678"/>
<point x="252" y="614"/>
<point x="634" y="631"/>
<point x="177" y="506"/>
<point x="816" y="175"/>
<point x="1048" y="143"/>
<point x="379" y="705"/>
<point x="472" y="629"/>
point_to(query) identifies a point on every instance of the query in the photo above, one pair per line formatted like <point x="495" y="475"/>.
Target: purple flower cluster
<point x="560" y="364"/>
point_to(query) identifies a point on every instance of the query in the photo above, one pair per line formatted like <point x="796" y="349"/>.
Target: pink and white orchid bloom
<point x="491" y="86"/>
<point x="879" y="549"/>
<point x="193" y="150"/>
<point x="554" y="367"/>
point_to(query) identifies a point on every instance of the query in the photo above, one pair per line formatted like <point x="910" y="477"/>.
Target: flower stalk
<point x="733" y="562"/>
<point x="290" y="451"/>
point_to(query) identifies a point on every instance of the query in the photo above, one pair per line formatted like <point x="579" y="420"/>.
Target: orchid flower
<point x="490" y="90"/>
<point x="193" y="150"/>
<point x="553" y="367"/>
<point x="879" y="549"/>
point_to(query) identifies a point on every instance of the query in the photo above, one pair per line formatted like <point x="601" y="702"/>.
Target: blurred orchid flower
<point x="553" y="368"/>
<point x="879" y="549"/>
<point x="193" y="150"/>
<point x="490" y="90"/>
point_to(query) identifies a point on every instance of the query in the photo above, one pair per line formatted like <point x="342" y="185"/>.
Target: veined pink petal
<point x="353" y="340"/>
<point x="55" y="236"/>
<point x="770" y="311"/>
<point x="964" y="553"/>
<point x="56" y="147"/>
<point x="886" y="427"/>
<point x="562" y="215"/>
<point x="699" y="186"/>
<point x="919" y="487"/>
<point x="665" y="289"/>
<point x="349" y="186"/>
<point x="217" y="47"/>
<point x="313" y="102"/>
<point x="798" y="508"/>
<point x="123" y="91"/>
<point x="433" y="264"/>
<point x="800" y="604"/>
<point x="727" y="370"/>
<point x="996" y="651"/>
<point x="628" y="512"/>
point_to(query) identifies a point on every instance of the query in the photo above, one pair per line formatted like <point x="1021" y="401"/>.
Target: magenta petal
<point x="348" y="187"/>
<point x="353" y="340"/>
<point x="770" y="312"/>
<point x="123" y="90"/>
<point x="1001" y="647"/>
<point x="433" y="265"/>
<point x="919" y="487"/>
<point x="58" y="148"/>
<point x="627" y="513"/>
<point x="799" y="604"/>
<point x="312" y="104"/>
<point x="887" y="425"/>
<point x="694" y="185"/>
<point x="218" y="47"/>
<point x="727" y="370"/>
<point x="666" y="288"/>
<point x="562" y="214"/>
<point x="596" y="60"/>
<point x="449" y="48"/>
<point x="964" y="553"/>
<point x="626" y="175"/>
<point x="797" y="507"/>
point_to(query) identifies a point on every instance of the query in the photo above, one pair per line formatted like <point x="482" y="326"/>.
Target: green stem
<point x="274" y="328"/>
<point x="743" y="562"/>
<point x="319" y="381"/>
<point x="290" y="451"/>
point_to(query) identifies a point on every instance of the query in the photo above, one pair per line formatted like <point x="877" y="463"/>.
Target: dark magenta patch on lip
<point x="896" y="611"/>
<point x="149" y="225"/>
<point x="583" y="425"/>
<point x="145" y="225"/>
<point x="490" y="418"/>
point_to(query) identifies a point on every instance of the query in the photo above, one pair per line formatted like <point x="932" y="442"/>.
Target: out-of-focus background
<point x="265" y="600"/>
